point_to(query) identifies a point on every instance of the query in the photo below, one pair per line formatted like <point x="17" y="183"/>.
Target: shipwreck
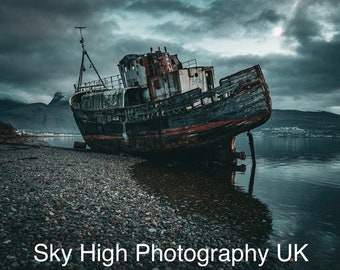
<point x="158" y="104"/>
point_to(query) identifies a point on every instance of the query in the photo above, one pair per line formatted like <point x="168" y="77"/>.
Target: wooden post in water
<point x="252" y="149"/>
<point x="252" y="179"/>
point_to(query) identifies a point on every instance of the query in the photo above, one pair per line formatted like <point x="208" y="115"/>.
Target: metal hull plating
<point x="190" y="120"/>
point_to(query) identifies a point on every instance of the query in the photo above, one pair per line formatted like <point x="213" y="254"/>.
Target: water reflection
<point x="294" y="149"/>
<point x="298" y="178"/>
<point x="61" y="141"/>
<point x="207" y="191"/>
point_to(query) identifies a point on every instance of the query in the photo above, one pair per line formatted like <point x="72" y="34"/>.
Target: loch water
<point x="299" y="180"/>
<point x="292" y="196"/>
<point x="59" y="140"/>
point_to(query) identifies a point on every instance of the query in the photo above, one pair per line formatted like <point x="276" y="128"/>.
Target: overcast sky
<point x="296" y="42"/>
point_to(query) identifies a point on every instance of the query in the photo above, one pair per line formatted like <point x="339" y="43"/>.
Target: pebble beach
<point x="63" y="199"/>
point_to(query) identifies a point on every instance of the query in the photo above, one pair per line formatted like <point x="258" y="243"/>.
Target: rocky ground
<point x="9" y="134"/>
<point x="53" y="198"/>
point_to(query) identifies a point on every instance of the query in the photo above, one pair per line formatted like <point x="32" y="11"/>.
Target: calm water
<point x="298" y="179"/>
<point x="296" y="192"/>
<point x="62" y="141"/>
<point x="295" y="196"/>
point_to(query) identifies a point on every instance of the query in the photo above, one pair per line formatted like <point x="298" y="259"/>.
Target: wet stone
<point x="70" y="198"/>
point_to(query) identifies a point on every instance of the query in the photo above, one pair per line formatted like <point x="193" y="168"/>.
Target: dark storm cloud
<point x="37" y="42"/>
<point x="40" y="50"/>
<point x="268" y="15"/>
<point x="315" y="66"/>
<point x="218" y="19"/>
<point x="39" y="47"/>
<point x="228" y="18"/>
<point x="162" y="8"/>
<point x="309" y="75"/>
<point x="32" y="21"/>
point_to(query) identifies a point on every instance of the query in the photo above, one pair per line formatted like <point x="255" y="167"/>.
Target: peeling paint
<point x="156" y="104"/>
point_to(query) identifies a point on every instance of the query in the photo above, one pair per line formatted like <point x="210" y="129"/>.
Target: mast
<point x="84" y="53"/>
<point x="80" y="79"/>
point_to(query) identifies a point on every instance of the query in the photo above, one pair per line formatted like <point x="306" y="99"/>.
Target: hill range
<point x="56" y="117"/>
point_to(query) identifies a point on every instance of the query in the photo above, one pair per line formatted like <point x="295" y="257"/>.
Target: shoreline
<point x="67" y="198"/>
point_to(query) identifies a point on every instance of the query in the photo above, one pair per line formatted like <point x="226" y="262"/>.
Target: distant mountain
<point x="304" y="123"/>
<point x="38" y="117"/>
<point x="57" y="117"/>
<point x="7" y="104"/>
<point x="59" y="98"/>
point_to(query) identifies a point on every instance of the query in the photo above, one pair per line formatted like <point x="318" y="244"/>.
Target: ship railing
<point x="187" y="101"/>
<point x="180" y="103"/>
<point x="112" y="82"/>
<point x="190" y="63"/>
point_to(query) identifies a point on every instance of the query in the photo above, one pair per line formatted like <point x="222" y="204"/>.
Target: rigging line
<point x="84" y="52"/>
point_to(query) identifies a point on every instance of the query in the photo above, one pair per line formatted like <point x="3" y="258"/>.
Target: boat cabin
<point x="158" y="75"/>
<point x="144" y="78"/>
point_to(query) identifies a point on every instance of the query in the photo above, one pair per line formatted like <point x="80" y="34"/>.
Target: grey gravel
<point x="68" y="198"/>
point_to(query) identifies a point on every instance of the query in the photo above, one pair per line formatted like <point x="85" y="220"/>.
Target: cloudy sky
<point x="296" y="42"/>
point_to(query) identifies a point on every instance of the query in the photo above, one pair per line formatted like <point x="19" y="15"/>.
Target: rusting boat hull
<point x="190" y="120"/>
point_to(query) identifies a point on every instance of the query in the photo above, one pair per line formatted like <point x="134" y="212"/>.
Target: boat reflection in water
<point x="207" y="191"/>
